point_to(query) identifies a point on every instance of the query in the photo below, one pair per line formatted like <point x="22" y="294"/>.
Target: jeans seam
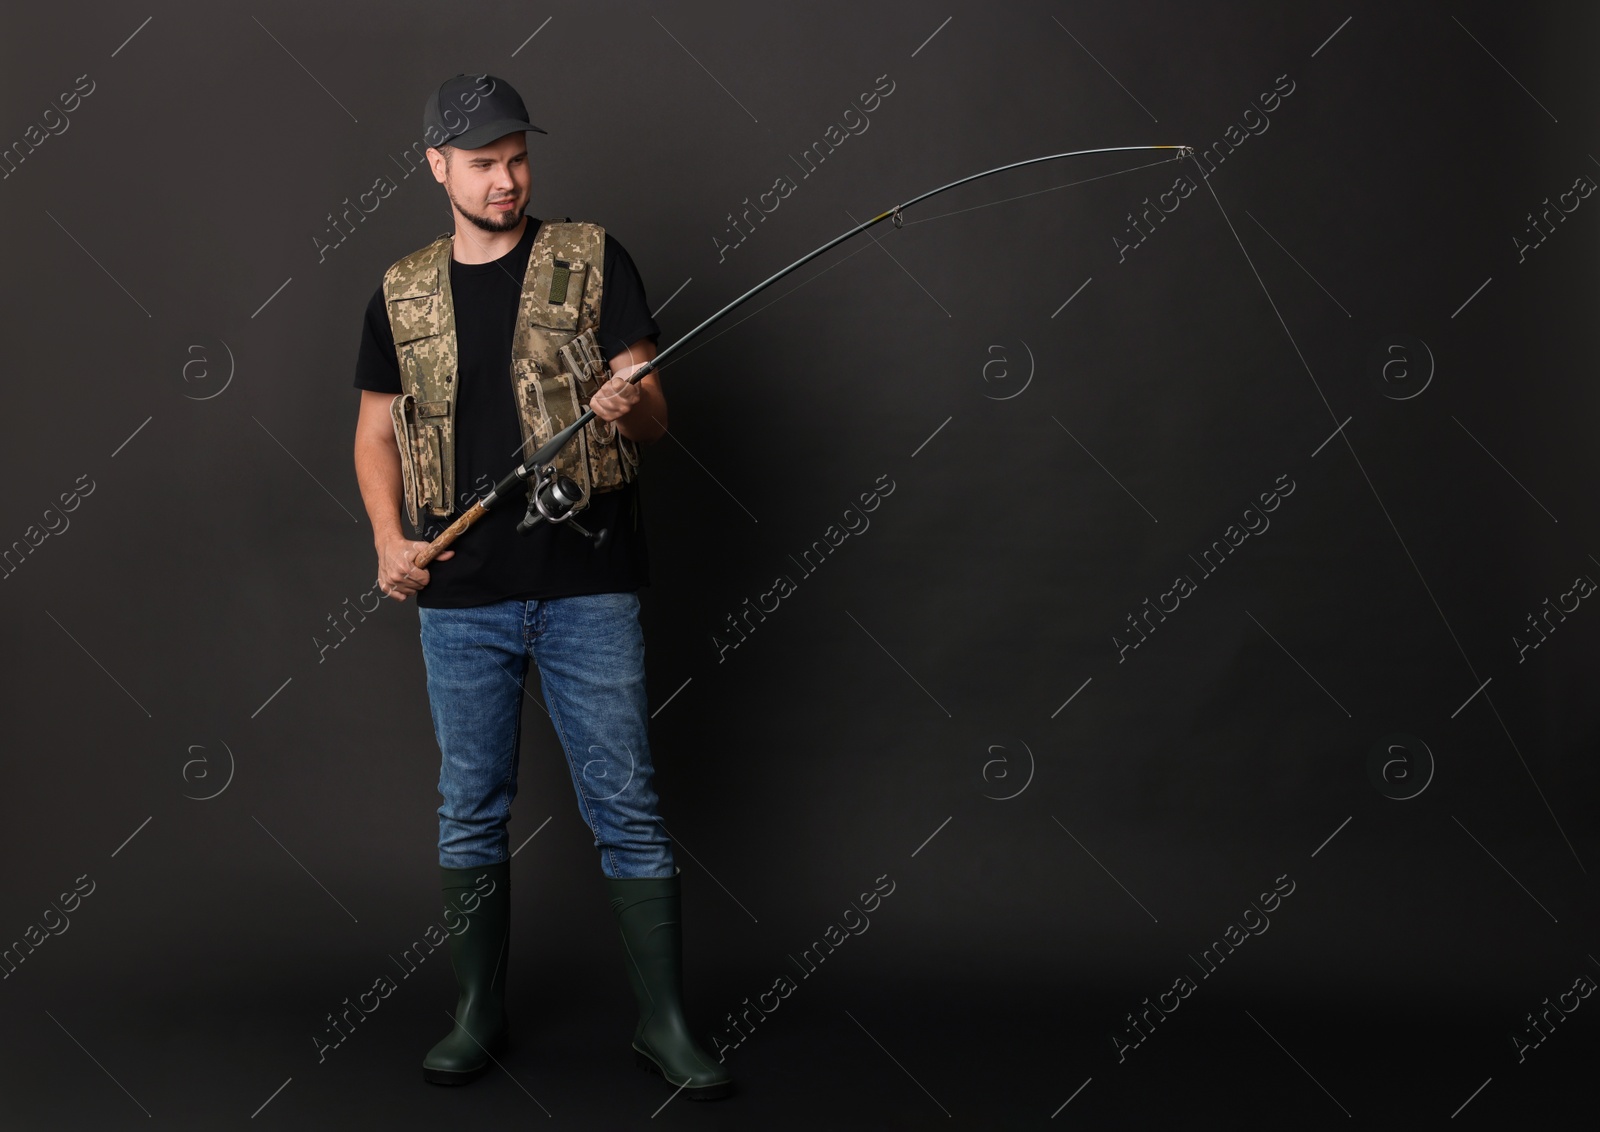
<point x="511" y="767"/>
<point x="566" y="747"/>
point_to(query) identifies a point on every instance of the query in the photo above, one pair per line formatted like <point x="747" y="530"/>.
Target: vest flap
<point x="413" y="292"/>
<point x="415" y="316"/>
<point x="564" y="265"/>
<point x="411" y="287"/>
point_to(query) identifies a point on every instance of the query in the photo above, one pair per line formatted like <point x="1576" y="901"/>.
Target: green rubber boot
<point x="647" y="914"/>
<point x="478" y="956"/>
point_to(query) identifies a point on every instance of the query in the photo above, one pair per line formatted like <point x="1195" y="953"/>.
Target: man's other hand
<point x="398" y="573"/>
<point x="616" y="397"/>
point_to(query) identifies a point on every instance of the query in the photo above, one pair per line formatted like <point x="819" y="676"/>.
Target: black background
<point x="901" y="715"/>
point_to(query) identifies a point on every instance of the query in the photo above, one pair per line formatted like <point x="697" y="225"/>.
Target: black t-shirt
<point x="492" y="561"/>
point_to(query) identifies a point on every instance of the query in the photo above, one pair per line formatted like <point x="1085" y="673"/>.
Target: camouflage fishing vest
<point x="556" y="366"/>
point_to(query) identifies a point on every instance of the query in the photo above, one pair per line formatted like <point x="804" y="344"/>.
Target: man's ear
<point x="436" y="162"/>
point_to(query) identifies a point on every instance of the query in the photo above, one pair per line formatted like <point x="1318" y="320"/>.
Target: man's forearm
<point x="378" y="473"/>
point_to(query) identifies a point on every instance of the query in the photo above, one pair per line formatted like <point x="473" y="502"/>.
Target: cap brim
<point x="490" y="132"/>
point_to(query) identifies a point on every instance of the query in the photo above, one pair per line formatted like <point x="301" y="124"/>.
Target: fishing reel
<point x="552" y="498"/>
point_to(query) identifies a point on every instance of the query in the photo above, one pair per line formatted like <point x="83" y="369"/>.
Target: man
<point x="475" y="349"/>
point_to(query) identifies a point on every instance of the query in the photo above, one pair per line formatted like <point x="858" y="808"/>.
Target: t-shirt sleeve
<point x="624" y="312"/>
<point x="377" y="368"/>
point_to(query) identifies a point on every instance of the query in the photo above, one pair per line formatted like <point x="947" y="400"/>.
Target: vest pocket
<point x="581" y="356"/>
<point x="405" y="437"/>
<point x="413" y="317"/>
<point x="431" y="459"/>
<point x="555" y="298"/>
<point x="546" y="404"/>
<point x="536" y="428"/>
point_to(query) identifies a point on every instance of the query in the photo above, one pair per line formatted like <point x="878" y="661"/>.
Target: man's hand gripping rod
<point x="553" y="495"/>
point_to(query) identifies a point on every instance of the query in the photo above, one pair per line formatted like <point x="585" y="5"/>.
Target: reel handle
<point x="552" y="499"/>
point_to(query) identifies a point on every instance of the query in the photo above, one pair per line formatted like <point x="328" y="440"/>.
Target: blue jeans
<point x="590" y="654"/>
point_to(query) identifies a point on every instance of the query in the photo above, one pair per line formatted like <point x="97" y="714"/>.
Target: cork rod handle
<point x="454" y="531"/>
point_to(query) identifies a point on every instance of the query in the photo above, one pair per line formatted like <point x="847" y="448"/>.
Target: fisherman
<point x="475" y="350"/>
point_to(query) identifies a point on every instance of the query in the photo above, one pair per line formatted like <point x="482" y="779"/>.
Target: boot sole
<point x="452" y="1077"/>
<point x="464" y="1076"/>
<point x="702" y="1093"/>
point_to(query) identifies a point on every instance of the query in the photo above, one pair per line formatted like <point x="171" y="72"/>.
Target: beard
<point x="489" y="222"/>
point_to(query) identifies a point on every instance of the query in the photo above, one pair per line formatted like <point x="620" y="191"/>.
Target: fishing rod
<point x="553" y="495"/>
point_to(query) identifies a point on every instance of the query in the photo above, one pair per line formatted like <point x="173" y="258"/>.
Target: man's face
<point x="488" y="185"/>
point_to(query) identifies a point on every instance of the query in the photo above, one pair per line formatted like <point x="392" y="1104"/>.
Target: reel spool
<point x="551" y="499"/>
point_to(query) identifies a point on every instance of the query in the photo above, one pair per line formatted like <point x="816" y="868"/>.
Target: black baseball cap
<point x="470" y="111"/>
